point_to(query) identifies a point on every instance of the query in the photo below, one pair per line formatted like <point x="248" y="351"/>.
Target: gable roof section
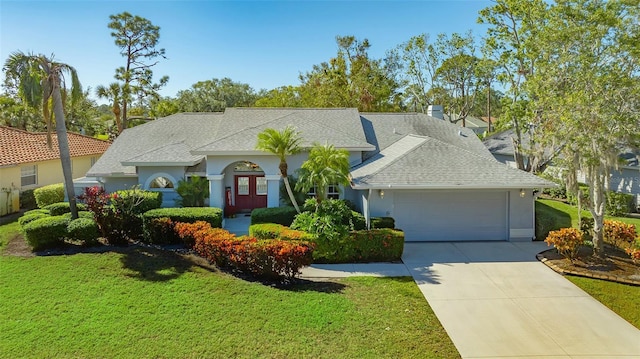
<point x="18" y="146"/>
<point x="421" y="162"/>
<point x="168" y="140"/>
<point x="384" y="129"/>
<point x="338" y="126"/>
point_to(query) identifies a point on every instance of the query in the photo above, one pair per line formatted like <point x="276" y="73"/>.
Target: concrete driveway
<point x="495" y="300"/>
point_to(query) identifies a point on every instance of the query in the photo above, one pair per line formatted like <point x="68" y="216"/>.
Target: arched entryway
<point x="249" y="187"/>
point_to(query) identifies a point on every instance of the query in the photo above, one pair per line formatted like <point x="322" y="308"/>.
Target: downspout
<point x="367" y="216"/>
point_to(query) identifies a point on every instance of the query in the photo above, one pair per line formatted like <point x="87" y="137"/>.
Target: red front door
<point x="251" y="192"/>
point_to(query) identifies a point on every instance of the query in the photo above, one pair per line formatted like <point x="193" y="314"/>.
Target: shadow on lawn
<point x="157" y="265"/>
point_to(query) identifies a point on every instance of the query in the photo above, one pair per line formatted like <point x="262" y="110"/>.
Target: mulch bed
<point x="616" y="266"/>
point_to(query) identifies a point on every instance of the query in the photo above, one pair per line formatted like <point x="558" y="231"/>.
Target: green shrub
<point x="358" y="221"/>
<point x="586" y="227"/>
<point x="60" y="208"/>
<point x="618" y="204"/>
<point x="329" y="222"/>
<point x="383" y="222"/>
<point x="84" y="230"/>
<point x="46" y="232"/>
<point x="81" y="214"/>
<point x="50" y="194"/>
<point x="280" y="215"/>
<point x="152" y="227"/>
<point x="193" y="192"/>
<point x="32" y="216"/>
<point x="277" y="231"/>
<point x="139" y="201"/>
<point x="27" y="199"/>
<point x="376" y="245"/>
<point x="38" y="210"/>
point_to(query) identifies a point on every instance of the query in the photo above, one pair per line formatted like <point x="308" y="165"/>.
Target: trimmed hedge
<point x="81" y="214"/>
<point x="383" y="222"/>
<point x="376" y="245"/>
<point x="27" y="199"/>
<point x="60" y="208"/>
<point x="46" y="232"/>
<point x="32" y="216"/>
<point x="277" y="231"/>
<point x="84" y="230"/>
<point x="50" y="194"/>
<point x="146" y="200"/>
<point x="157" y="231"/>
<point x="271" y="259"/>
<point x="279" y="215"/>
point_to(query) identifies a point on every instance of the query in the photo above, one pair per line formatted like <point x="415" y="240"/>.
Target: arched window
<point x="161" y="182"/>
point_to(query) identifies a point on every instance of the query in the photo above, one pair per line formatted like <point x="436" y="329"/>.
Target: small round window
<point x="161" y="182"/>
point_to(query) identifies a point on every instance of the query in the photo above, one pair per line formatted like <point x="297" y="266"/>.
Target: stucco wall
<point x="112" y="184"/>
<point x="169" y="195"/>
<point x="48" y="172"/>
<point x="627" y="180"/>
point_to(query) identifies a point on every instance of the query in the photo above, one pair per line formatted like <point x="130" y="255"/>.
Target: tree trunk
<point x="597" y="208"/>
<point x="63" y="146"/>
<point x="290" y="193"/>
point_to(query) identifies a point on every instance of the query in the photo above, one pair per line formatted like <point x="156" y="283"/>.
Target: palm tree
<point x="112" y="93"/>
<point x="282" y="144"/>
<point x="40" y="80"/>
<point x="325" y="166"/>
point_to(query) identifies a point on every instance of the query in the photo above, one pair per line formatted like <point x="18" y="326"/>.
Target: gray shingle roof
<point x="184" y="138"/>
<point x="138" y="143"/>
<point x="425" y="162"/>
<point x="340" y="127"/>
<point x="384" y="129"/>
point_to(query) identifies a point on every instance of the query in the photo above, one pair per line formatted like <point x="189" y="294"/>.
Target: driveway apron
<point x="495" y="300"/>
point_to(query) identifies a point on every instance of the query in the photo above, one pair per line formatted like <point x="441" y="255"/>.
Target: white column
<point x="216" y="191"/>
<point x="273" y="190"/>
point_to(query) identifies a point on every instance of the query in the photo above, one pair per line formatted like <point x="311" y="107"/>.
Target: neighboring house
<point x="436" y="179"/>
<point x="626" y="179"/>
<point x="27" y="163"/>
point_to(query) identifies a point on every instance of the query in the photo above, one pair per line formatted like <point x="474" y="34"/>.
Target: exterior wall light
<point x="381" y="193"/>
<point x="522" y="193"/>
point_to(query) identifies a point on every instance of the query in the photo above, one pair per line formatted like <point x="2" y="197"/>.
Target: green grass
<point x="621" y="298"/>
<point x="567" y="215"/>
<point x="7" y="232"/>
<point x="142" y="303"/>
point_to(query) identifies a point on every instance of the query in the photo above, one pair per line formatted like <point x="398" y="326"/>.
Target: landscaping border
<point x="611" y="278"/>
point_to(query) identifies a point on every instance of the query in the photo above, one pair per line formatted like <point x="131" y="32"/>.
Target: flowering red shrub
<point x="566" y="241"/>
<point x="619" y="233"/>
<point x="261" y="258"/>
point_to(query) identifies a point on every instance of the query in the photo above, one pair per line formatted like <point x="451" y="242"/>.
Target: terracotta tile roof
<point x="18" y="146"/>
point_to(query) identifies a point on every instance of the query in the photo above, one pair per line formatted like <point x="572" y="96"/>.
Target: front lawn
<point x="566" y="215"/>
<point x="137" y="302"/>
<point x="621" y="298"/>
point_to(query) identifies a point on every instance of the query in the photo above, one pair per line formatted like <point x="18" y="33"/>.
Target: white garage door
<point x="451" y="216"/>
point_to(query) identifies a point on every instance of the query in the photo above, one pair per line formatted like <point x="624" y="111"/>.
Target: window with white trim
<point x="28" y="175"/>
<point x="333" y="192"/>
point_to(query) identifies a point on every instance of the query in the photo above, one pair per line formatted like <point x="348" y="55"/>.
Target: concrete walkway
<point x="495" y="300"/>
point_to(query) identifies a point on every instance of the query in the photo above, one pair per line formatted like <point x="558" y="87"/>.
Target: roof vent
<point x="394" y="131"/>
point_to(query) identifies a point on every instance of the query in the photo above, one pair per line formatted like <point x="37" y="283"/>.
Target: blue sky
<point x="263" y="43"/>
